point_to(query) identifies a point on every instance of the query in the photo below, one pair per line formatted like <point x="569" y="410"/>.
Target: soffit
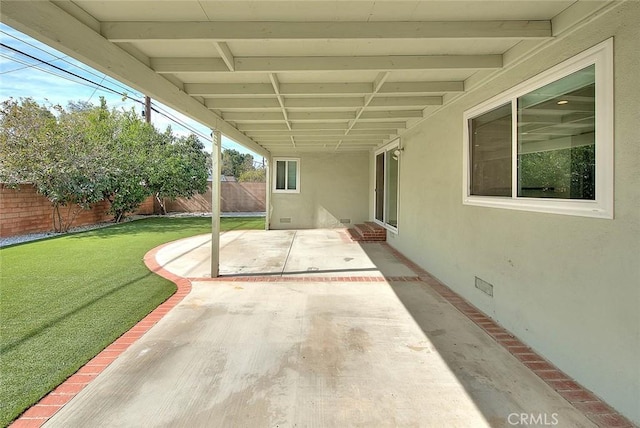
<point x="351" y="74"/>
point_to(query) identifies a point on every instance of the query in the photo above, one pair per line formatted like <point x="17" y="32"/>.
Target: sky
<point x="22" y="77"/>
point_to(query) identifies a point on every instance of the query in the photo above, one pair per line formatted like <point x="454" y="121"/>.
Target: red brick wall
<point x="234" y="197"/>
<point x="23" y="211"/>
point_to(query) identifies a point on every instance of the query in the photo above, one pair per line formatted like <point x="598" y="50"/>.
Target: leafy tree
<point x="235" y="163"/>
<point x="84" y="154"/>
<point x="257" y="175"/>
<point x="180" y="169"/>
<point x="130" y="148"/>
<point x="53" y="154"/>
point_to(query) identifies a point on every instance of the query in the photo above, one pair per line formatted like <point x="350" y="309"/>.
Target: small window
<point x="287" y="176"/>
<point x="547" y="144"/>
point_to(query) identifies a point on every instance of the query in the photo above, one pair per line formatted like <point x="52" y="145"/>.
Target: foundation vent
<point x="484" y="286"/>
<point x="285" y="219"/>
<point x="345" y="220"/>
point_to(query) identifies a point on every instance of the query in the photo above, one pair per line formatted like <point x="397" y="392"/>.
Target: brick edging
<point x="583" y="400"/>
<point x="43" y="410"/>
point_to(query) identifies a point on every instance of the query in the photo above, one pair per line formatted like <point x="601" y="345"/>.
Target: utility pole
<point x="147" y="109"/>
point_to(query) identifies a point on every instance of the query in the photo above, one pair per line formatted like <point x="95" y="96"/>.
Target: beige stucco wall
<point x="567" y="286"/>
<point x="333" y="187"/>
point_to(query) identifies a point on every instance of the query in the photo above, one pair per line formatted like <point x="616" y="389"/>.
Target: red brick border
<point x="42" y="411"/>
<point x="583" y="400"/>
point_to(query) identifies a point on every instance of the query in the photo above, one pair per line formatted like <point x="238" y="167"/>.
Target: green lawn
<point x="63" y="300"/>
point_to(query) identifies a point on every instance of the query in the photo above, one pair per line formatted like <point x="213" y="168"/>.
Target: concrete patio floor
<point x="318" y="331"/>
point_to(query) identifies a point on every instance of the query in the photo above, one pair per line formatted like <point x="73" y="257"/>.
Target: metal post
<point x="215" y="203"/>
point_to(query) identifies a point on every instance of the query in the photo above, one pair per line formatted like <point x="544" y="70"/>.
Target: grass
<point x="63" y="300"/>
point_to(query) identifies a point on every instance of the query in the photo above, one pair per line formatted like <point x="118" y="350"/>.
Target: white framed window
<point x="387" y="177"/>
<point x="546" y="145"/>
<point x="286" y="176"/>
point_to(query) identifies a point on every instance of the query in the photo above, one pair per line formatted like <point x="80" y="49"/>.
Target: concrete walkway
<point x="318" y="331"/>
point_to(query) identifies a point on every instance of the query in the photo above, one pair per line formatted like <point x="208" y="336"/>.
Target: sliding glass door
<point x="387" y="170"/>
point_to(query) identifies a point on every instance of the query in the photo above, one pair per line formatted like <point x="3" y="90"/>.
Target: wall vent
<point x="484" y="286"/>
<point x="285" y="219"/>
<point x="345" y="220"/>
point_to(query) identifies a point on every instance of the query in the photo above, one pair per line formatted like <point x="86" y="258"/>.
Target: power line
<point x="59" y="68"/>
<point x="97" y="86"/>
<point x="62" y="58"/>
<point x="36" y="66"/>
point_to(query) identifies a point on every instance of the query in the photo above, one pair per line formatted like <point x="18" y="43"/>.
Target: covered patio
<point x="314" y="330"/>
<point x="370" y="111"/>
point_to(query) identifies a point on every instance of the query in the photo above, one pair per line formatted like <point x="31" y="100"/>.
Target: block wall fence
<point x="234" y="197"/>
<point x="23" y="210"/>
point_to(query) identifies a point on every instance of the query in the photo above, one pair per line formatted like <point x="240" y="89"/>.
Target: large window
<point x="286" y="176"/>
<point x="547" y="144"/>
<point x="386" y="185"/>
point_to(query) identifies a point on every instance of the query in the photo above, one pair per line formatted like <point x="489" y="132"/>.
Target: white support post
<point x="267" y="204"/>
<point x="215" y="203"/>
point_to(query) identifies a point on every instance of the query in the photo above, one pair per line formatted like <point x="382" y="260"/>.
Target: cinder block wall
<point x="23" y="211"/>
<point x="234" y="197"/>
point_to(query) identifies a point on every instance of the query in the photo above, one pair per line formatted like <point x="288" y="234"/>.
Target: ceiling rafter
<point x="333" y="132"/>
<point x="377" y="84"/>
<point x="53" y="25"/>
<point x="276" y="87"/>
<point x="274" y="64"/>
<point x="335" y="103"/>
<point x="226" y="31"/>
<point x="226" y="55"/>
<point x="248" y="127"/>
<point x="222" y="90"/>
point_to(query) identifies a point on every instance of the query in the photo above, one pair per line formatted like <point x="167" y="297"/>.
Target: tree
<point x="54" y="154"/>
<point x="84" y="154"/>
<point x="235" y="163"/>
<point x="180" y="169"/>
<point x="130" y="148"/>
<point x="257" y="175"/>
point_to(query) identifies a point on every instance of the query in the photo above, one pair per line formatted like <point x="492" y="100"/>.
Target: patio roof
<point x="300" y="75"/>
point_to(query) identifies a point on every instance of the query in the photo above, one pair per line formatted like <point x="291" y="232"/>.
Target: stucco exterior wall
<point x="567" y="286"/>
<point x="333" y="187"/>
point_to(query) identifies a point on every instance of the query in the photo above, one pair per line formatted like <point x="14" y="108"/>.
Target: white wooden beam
<point x="419" y="88"/>
<point x="254" y="117"/>
<point x="242" y="103"/>
<point x="379" y="125"/>
<point x="324" y="103"/>
<point x="301" y="138"/>
<point x="51" y="25"/>
<point x="320" y="116"/>
<point x="225" y="31"/>
<point x="325" y="88"/>
<point x="228" y="89"/>
<point x="276" y="88"/>
<point x="248" y="127"/>
<point x="260" y="127"/>
<point x="320" y="89"/>
<point x="326" y="63"/>
<point x="377" y="84"/>
<point x="405" y="101"/>
<point x="227" y="56"/>
<point x="332" y="132"/>
<point x="392" y="114"/>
